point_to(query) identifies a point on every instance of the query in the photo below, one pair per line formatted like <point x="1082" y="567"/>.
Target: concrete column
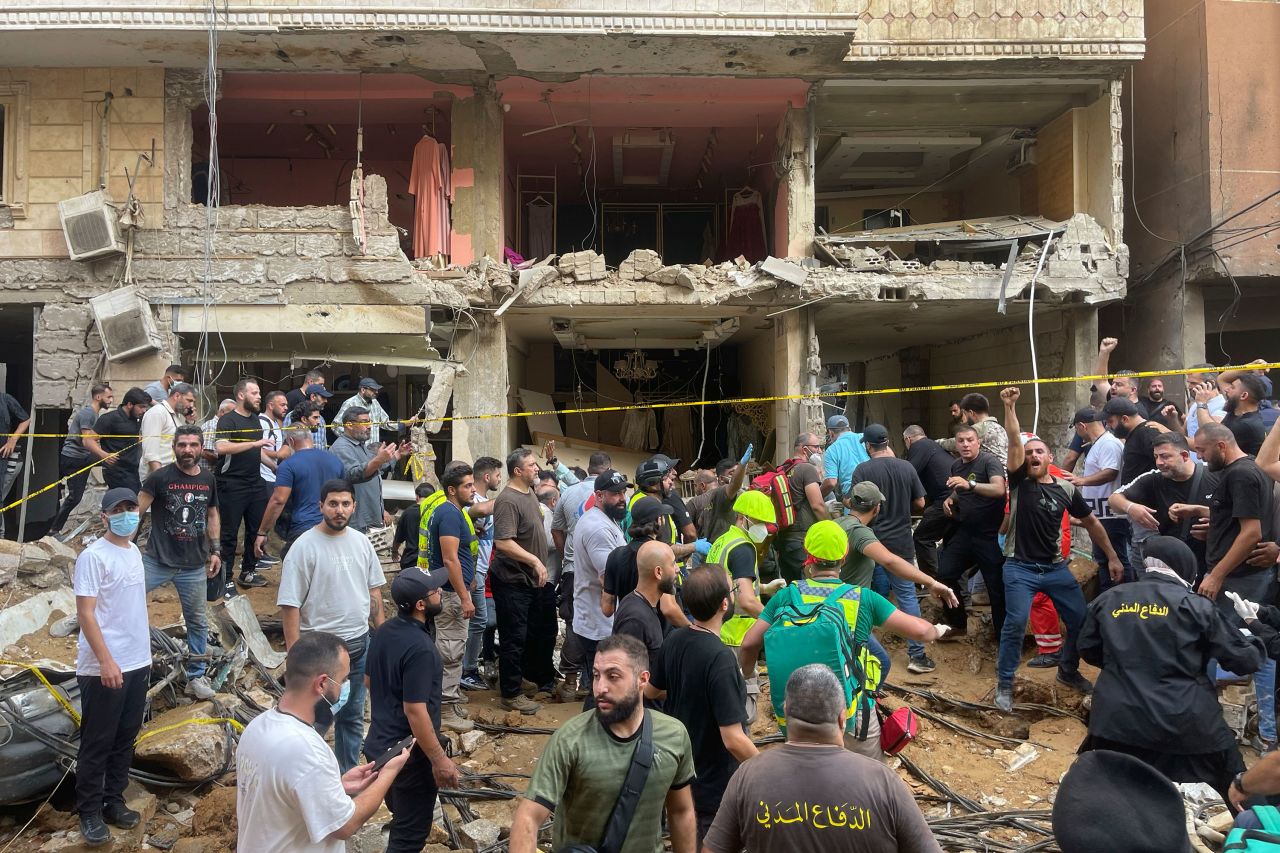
<point x="183" y="92"/>
<point x="855" y="407"/>
<point x="795" y="234"/>
<point x="482" y="390"/>
<point x="1059" y="400"/>
<point x="795" y="370"/>
<point x="477" y="159"/>
<point x="915" y="374"/>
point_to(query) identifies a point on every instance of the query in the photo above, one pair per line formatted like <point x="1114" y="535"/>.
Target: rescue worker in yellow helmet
<point x="736" y="552"/>
<point x="826" y="545"/>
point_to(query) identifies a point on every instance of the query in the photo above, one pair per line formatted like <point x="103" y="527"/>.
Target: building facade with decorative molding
<point x="573" y="204"/>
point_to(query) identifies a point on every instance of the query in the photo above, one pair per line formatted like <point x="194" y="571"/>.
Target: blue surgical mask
<point x="123" y="524"/>
<point x="343" y="694"/>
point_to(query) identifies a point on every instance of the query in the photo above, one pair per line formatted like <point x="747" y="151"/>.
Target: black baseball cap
<point x="648" y="509"/>
<point x="611" y="481"/>
<point x="413" y="584"/>
<point x="317" y="389"/>
<point x="1119" y="407"/>
<point x="118" y="495"/>
<point x="1087" y="415"/>
<point x="875" y="434"/>
<point x="370" y="382"/>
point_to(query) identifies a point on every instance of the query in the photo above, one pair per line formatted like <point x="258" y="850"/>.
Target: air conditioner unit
<point x="90" y="224"/>
<point x="124" y="323"/>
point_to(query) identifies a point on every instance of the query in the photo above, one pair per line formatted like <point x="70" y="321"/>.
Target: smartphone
<point x="391" y="753"/>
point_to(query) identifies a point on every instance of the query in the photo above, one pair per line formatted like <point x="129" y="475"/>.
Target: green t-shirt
<point x="858" y="568"/>
<point x="580" y="775"/>
<point x="873" y="608"/>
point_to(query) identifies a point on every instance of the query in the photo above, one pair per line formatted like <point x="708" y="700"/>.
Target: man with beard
<point x="1033" y="559"/>
<point x="1245" y="392"/>
<point x="1128" y="424"/>
<point x="452" y="548"/>
<point x="404" y="697"/>
<point x="330" y="582"/>
<point x="976" y="504"/>
<point x="1163" y="411"/>
<point x="365" y="461"/>
<point x="367" y="398"/>
<point x="241" y="495"/>
<point x="1101" y="477"/>
<point x="73" y="459"/>
<point x="976" y="412"/>
<point x="159" y="423"/>
<point x="488" y="478"/>
<point x="583" y="767"/>
<point x="183" y="546"/>
<point x="1177" y="480"/>
<point x="638" y="615"/>
<point x="1240" y="517"/>
<point x="1153" y="640"/>
<point x="594" y="536"/>
<point x="113" y="439"/>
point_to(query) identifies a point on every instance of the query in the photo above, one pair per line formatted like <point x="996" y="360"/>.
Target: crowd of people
<point x="661" y="614"/>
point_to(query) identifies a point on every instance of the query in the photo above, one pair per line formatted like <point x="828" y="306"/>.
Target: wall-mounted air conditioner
<point x="91" y="226"/>
<point x="124" y="323"/>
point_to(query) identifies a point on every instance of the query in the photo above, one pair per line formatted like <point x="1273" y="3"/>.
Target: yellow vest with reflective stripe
<point x="736" y="626"/>
<point x="635" y="496"/>
<point x="429" y="505"/>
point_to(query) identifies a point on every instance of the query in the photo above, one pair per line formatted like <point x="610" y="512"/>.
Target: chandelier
<point x="635" y="366"/>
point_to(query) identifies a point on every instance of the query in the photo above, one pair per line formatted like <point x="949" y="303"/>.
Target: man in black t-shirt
<point x="404" y="672"/>
<point x="182" y="547"/>
<point x="933" y="466"/>
<point x="1033" y="557"/>
<point x="649" y="518"/>
<point x="638" y="614"/>
<point x="1240" y="516"/>
<point x="975" y="501"/>
<point x="698" y="679"/>
<point x="119" y="430"/>
<point x="1128" y="424"/>
<point x="903" y="491"/>
<point x="1244" y="394"/>
<point x="406" y="535"/>
<point x="242" y="494"/>
<point x="1177" y="479"/>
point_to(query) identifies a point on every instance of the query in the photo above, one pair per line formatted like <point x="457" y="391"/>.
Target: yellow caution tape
<point x="195" y="721"/>
<point x="776" y="398"/>
<point x="60" y="481"/>
<point x="62" y="700"/>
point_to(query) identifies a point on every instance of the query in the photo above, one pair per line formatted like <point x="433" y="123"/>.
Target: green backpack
<point x="803" y="634"/>
<point x="1257" y="840"/>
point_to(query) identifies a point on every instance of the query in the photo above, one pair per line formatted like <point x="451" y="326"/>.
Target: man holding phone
<point x="289" y="792"/>
<point x="405" y="671"/>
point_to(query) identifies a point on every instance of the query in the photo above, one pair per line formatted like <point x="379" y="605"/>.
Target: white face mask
<point x="757" y="533"/>
<point x="816" y="459"/>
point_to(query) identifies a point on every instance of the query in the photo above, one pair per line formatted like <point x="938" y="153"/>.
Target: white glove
<point x="1247" y="610"/>
<point x="942" y="631"/>
<point x="753" y="696"/>
<point x="773" y="586"/>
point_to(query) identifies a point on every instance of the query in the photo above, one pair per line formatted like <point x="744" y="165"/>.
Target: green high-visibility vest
<point x="429" y="505"/>
<point x="736" y="626"/>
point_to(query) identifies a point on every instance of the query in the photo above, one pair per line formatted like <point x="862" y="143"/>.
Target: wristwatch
<point x="1238" y="783"/>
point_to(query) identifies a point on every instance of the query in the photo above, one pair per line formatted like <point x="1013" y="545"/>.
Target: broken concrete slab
<point x="785" y="270"/>
<point x="61" y="555"/>
<point x="35" y="560"/>
<point x="665" y="275"/>
<point x="640" y="264"/>
<point x="582" y="266"/>
<point x="191" y="752"/>
<point x="18" y="620"/>
<point x="686" y="280"/>
<point x="470" y="741"/>
<point x="479" y="834"/>
<point x="9" y="568"/>
<point x="370" y="838"/>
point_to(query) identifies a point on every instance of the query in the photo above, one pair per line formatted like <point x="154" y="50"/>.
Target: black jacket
<point x="1153" y="639"/>
<point x="1267" y="629"/>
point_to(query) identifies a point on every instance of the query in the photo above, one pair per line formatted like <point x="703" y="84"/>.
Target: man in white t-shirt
<point x="330" y="582"/>
<point x="594" y="536"/>
<point x="290" y="794"/>
<point x="1102" y="477"/>
<point x="113" y="662"/>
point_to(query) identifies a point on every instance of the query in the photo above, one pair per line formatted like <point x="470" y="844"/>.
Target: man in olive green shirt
<point x="866" y="550"/>
<point x="580" y="772"/>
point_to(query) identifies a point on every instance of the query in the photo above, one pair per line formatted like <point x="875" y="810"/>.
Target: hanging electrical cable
<point x="1031" y="330"/>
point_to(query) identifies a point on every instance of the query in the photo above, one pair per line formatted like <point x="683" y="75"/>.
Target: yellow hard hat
<point x="756" y="505"/>
<point x="826" y="541"/>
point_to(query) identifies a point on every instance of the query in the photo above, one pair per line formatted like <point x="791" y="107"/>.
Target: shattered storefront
<point x="593" y="243"/>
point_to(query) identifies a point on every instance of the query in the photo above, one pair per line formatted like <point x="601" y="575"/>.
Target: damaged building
<point x="541" y="207"/>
